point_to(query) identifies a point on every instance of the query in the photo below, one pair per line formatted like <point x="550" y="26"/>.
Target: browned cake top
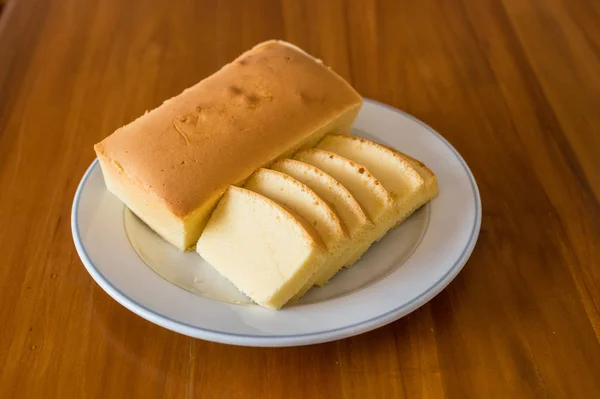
<point x="219" y="131"/>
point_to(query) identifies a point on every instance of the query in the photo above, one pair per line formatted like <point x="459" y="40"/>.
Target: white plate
<point x="181" y="292"/>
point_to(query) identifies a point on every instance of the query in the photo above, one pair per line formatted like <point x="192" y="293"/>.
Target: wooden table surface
<point x="514" y="85"/>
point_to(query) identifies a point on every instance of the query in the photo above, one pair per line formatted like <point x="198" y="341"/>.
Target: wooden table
<point x="514" y="85"/>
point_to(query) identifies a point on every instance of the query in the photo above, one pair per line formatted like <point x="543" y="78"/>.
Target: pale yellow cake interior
<point x="348" y="193"/>
<point x="369" y="193"/>
<point x="267" y="253"/>
<point x="287" y="191"/>
<point x="333" y="192"/>
<point x="373" y="197"/>
<point x="395" y="171"/>
<point x="341" y="200"/>
<point x="303" y="201"/>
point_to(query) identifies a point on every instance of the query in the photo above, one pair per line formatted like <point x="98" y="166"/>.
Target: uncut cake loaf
<point x="171" y="165"/>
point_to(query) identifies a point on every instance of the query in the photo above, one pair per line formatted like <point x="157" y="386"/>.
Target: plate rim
<point x="363" y="326"/>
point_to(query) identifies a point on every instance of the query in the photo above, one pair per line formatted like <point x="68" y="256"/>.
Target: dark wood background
<point x="513" y="84"/>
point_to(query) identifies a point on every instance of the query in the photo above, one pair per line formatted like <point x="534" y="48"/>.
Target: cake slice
<point x="368" y="191"/>
<point x="430" y="179"/>
<point x="396" y="174"/>
<point x="333" y="192"/>
<point x="301" y="200"/>
<point x="376" y="201"/>
<point x="304" y="202"/>
<point x="265" y="251"/>
<point x="410" y="183"/>
<point x="341" y="200"/>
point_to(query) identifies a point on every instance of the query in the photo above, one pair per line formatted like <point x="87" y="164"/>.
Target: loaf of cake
<point x="171" y="165"/>
<point x="255" y="167"/>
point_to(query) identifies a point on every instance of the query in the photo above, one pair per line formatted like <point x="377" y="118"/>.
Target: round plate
<point x="181" y="292"/>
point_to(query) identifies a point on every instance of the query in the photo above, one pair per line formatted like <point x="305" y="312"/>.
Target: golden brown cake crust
<point x="216" y="133"/>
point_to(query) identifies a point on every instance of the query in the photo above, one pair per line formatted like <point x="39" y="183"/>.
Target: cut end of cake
<point x="260" y="247"/>
<point x="368" y="191"/>
<point x="330" y="190"/>
<point x="395" y="172"/>
<point x="410" y="182"/>
<point x="301" y="200"/>
<point x="344" y="195"/>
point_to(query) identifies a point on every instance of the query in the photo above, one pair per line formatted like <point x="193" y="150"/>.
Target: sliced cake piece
<point x="377" y="202"/>
<point x="329" y="189"/>
<point x="430" y="179"/>
<point x="304" y="202"/>
<point x="395" y="172"/>
<point x="399" y="174"/>
<point x="300" y="199"/>
<point x="335" y="194"/>
<point x="266" y="252"/>
<point x="368" y="191"/>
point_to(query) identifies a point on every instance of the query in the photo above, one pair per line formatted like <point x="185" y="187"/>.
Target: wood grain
<point x="512" y="84"/>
